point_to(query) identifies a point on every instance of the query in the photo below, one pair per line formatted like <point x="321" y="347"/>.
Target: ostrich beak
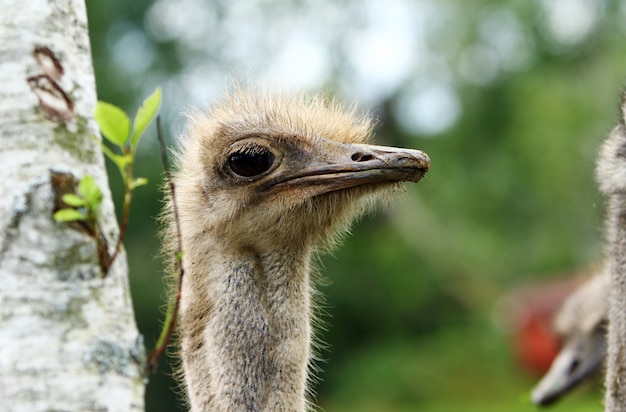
<point x="350" y="165"/>
<point x="577" y="360"/>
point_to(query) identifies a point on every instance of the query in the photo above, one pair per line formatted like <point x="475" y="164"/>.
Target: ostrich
<point x="581" y="323"/>
<point x="611" y="178"/>
<point x="263" y="182"/>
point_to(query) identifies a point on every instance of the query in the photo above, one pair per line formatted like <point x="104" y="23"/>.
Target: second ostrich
<point x="611" y="178"/>
<point x="581" y="323"/>
<point x="263" y="182"/>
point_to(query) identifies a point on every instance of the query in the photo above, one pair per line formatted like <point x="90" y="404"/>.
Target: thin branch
<point x="172" y="308"/>
<point x="128" y="197"/>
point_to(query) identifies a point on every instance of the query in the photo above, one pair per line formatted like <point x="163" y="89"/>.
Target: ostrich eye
<point x="251" y="162"/>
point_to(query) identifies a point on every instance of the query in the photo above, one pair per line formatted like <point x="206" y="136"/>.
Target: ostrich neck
<point x="615" y="399"/>
<point x="246" y="330"/>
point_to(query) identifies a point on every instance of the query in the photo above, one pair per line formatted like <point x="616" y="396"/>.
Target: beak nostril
<point x="573" y="366"/>
<point x="361" y="157"/>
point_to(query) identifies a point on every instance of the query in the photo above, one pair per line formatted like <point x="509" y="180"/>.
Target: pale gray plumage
<point x="611" y="178"/>
<point x="245" y="316"/>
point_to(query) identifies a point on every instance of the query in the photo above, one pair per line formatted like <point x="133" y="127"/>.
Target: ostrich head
<point x="285" y="170"/>
<point x="582" y="323"/>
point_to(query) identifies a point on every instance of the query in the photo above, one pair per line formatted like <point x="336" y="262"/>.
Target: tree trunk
<point x="68" y="338"/>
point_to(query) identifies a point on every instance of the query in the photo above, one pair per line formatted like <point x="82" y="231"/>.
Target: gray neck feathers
<point x="245" y="326"/>
<point x="615" y="399"/>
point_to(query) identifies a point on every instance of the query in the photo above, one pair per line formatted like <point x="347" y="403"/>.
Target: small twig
<point x="172" y="307"/>
<point x="128" y="197"/>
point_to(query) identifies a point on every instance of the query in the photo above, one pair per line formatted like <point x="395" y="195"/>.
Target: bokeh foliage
<point x="413" y="296"/>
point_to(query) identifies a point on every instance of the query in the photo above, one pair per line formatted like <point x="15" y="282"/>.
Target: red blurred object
<point x="529" y="313"/>
<point x="535" y="343"/>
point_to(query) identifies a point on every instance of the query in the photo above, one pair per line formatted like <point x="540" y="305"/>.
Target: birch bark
<point x="68" y="338"/>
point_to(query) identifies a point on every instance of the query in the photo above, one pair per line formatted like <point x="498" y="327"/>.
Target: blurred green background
<point x="509" y="98"/>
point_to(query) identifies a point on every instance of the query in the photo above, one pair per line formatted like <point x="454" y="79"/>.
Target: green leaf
<point x="73" y="200"/>
<point x="144" y="115"/>
<point x="113" y="123"/>
<point x="68" y="215"/>
<point x="121" y="161"/>
<point x="138" y="181"/>
<point x="90" y="191"/>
